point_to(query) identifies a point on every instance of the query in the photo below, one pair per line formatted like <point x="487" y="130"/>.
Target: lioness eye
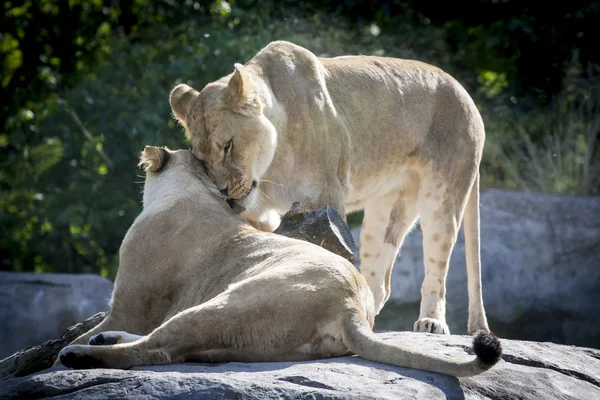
<point x="227" y="147"/>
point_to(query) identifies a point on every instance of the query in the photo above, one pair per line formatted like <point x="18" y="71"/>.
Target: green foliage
<point x="47" y="45"/>
<point x="566" y="160"/>
<point x="71" y="164"/>
<point x="355" y="219"/>
<point x="89" y="89"/>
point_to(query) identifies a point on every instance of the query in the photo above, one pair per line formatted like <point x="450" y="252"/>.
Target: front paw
<point x="73" y="357"/>
<point x="431" y="325"/>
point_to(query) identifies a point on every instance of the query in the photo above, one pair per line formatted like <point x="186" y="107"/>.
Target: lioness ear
<point x="153" y="158"/>
<point x="241" y="90"/>
<point x="181" y="99"/>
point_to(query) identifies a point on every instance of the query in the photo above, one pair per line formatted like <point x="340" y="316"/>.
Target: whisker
<point x="268" y="181"/>
<point x="264" y="194"/>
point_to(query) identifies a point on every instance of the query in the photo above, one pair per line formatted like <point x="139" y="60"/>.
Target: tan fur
<point x="196" y="282"/>
<point x="400" y="139"/>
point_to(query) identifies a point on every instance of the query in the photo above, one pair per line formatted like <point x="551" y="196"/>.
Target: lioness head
<point x="228" y="131"/>
<point x="169" y="171"/>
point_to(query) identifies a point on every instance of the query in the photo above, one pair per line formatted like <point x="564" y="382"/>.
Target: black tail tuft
<point x="487" y="347"/>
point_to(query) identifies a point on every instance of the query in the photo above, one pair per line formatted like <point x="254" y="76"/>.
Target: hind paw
<point x="432" y="326"/>
<point x="473" y="328"/>
<point x="477" y="322"/>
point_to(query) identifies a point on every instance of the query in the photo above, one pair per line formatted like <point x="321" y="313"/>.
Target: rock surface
<point x="528" y="371"/>
<point x="541" y="270"/>
<point x="38" y="307"/>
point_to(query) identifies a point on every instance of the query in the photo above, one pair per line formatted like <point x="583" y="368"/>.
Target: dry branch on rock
<point x="37" y="358"/>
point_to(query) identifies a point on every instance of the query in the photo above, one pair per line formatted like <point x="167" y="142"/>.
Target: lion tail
<point x="360" y="339"/>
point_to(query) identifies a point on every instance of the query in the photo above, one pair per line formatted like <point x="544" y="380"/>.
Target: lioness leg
<point x="386" y="222"/>
<point x="477" y="318"/>
<point x="440" y="209"/>
<point x="166" y="344"/>
<point x="223" y="327"/>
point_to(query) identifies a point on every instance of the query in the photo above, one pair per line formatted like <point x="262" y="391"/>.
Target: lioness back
<point x="422" y="115"/>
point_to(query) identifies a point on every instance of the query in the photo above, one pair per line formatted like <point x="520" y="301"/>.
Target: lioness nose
<point x="225" y="192"/>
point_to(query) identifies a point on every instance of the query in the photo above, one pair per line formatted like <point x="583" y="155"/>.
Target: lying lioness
<point x="197" y="282"/>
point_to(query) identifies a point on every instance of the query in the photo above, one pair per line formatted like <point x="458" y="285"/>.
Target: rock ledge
<point x="529" y="370"/>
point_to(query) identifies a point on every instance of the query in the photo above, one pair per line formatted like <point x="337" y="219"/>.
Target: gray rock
<point x="38" y="307"/>
<point x="529" y="370"/>
<point x="541" y="270"/>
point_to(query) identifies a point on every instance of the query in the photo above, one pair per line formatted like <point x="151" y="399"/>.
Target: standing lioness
<point x="399" y="138"/>
<point x="195" y="281"/>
